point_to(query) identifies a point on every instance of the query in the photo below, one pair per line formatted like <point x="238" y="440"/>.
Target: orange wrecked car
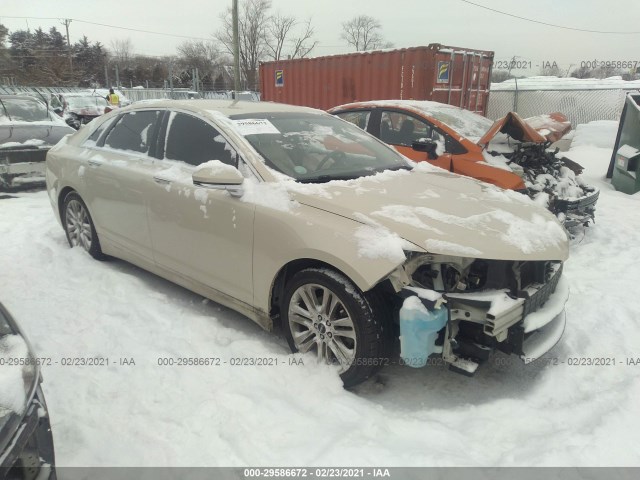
<point x="510" y="153"/>
<point x="446" y="136"/>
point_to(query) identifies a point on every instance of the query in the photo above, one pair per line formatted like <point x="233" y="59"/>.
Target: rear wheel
<point x="326" y="314"/>
<point x="79" y="227"/>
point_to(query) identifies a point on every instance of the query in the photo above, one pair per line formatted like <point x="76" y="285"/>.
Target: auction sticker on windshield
<point x="255" y="126"/>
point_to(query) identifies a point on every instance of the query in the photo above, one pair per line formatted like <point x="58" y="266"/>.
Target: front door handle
<point x="162" y="181"/>
<point x="95" y="163"/>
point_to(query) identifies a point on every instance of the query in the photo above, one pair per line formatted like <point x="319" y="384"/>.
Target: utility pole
<point x="236" y="48"/>
<point x="117" y="77"/>
<point x="171" y="78"/>
<point x="66" y="23"/>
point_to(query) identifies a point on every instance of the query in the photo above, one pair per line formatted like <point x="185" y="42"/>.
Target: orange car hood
<point x="538" y="129"/>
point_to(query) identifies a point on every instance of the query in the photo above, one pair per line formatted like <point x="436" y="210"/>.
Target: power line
<point x="548" y="24"/>
<point x="111" y="26"/>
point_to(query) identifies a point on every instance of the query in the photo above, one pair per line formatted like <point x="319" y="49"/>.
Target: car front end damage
<point x="516" y="307"/>
<point x="555" y="182"/>
<point x="23" y="164"/>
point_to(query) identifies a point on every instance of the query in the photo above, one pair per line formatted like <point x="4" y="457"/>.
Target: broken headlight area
<point x="555" y="183"/>
<point x="463" y="309"/>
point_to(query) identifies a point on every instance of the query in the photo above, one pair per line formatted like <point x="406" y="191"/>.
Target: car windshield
<point x="316" y="148"/>
<point x="24" y="110"/>
<point x="466" y="123"/>
<point x="89" y="101"/>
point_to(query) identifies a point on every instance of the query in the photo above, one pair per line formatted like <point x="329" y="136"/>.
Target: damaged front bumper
<point x="580" y="211"/>
<point x="29" y="452"/>
<point x="20" y="165"/>
<point x="478" y="323"/>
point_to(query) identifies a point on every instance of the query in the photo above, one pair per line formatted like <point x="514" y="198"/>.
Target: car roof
<point x="423" y="105"/>
<point x="225" y="107"/>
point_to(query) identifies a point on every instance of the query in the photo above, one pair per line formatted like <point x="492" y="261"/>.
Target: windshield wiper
<point x="328" y="178"/>
<point x="393" y="169"/>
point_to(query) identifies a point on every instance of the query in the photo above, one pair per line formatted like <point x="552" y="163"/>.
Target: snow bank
<point x="601" y="134"/>
<point x="565" y="83"/>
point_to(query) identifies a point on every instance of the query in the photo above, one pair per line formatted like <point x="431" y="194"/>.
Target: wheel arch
<point x="292" y="267"/>
<point x="62" y="195"/>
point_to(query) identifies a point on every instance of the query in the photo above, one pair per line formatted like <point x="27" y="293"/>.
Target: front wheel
<point x="79" y="227"/>
<point x="325" y="313"/>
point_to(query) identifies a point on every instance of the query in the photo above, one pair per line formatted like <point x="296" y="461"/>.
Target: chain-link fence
<point x="134" y="94"/>
<point x="15" y="90"/>
<point x="580" y="106"/>
<point x="137" y="94"/>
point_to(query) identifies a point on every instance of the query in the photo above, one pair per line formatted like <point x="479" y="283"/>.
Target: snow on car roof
<point x="225" y="107"/>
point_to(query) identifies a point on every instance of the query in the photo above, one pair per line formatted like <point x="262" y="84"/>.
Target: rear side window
<point x="134" y="131"/>
<point x="194" y="141"/>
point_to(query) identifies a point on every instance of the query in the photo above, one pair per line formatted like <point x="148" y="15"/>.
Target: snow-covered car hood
<point x="445" y="214"/>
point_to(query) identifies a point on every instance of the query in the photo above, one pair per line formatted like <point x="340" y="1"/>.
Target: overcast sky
<point x="404" y="22"/>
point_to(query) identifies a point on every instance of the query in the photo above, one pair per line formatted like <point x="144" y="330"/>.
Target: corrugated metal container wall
<point x="458" y="76"/>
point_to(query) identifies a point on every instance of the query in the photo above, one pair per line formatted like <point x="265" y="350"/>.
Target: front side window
<point x="359" y="118"/>
<point x="400" y="129"/>
<point x="134" y="131"/>
<point x="313" y="147"/>
<point x="194" y="141"/>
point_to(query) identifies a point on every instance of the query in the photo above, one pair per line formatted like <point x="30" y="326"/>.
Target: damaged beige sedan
<point x="301" y="220"/>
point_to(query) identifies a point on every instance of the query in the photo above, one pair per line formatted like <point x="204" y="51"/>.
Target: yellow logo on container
<point x="443" y="72"/>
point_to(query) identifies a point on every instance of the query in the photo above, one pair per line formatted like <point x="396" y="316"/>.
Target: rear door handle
<point x="162" y="181"/>
<point x="95" y="163"/>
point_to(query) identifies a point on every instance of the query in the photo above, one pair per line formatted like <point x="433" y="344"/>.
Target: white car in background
<point x="297" y="218"/>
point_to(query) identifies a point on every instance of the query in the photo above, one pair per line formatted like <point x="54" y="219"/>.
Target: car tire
<point x="79" y="227"/>
<point x="323" y="311"/>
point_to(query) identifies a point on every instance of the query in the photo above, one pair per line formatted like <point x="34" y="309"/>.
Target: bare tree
<point x="551" y="71"/>
<point x="582" y="72"/>
<point x="498" y="76"/>
<point x="122" y="51"/>
<point x="363" y="33"/>
<point x="279" y="30"/>
<point x="199" y="54"/>
<point x="203" y="56"/>
<point x="252" y="32"/>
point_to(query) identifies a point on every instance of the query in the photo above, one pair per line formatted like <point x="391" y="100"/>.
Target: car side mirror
<point x="428" y="146"/>
<point x="219" y="176"/>
<point x="58" y="110"/>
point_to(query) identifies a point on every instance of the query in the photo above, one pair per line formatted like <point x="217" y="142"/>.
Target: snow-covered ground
<point x="146" y="414"/>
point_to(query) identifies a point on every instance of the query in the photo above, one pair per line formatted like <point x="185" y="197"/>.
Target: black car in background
<point x="26" y="443"/>
<point x="28" y="129"/>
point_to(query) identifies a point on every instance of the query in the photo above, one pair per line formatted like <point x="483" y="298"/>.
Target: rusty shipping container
<point x="457" y="76"/>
